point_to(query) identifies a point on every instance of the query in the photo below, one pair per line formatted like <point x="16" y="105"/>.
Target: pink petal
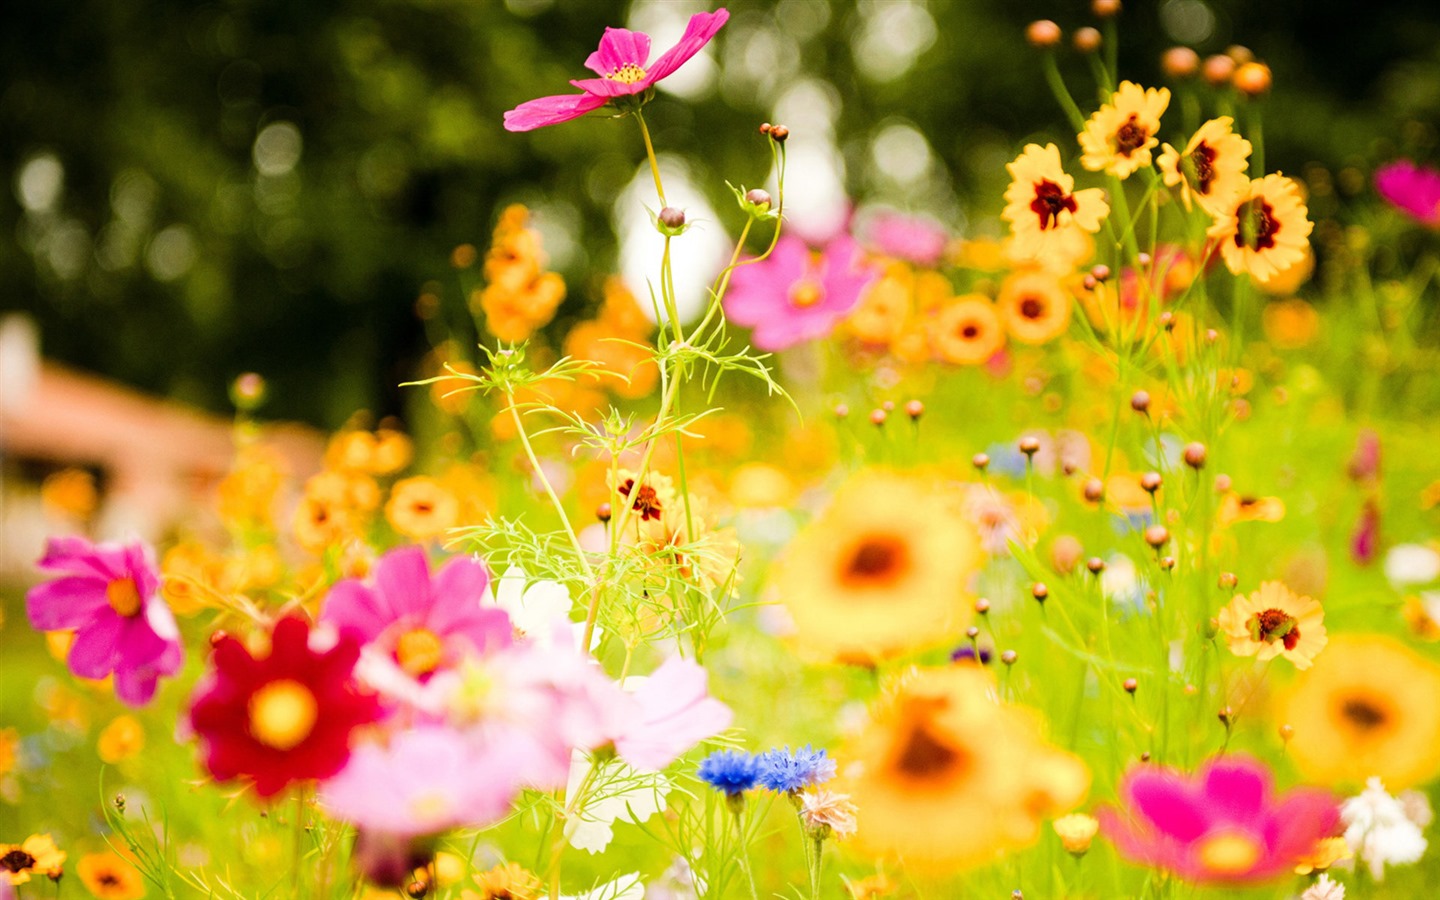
<point x="620" y="47"/>
<point x="66" y="602"/>
<point x="96" y="647"/>
<point x="1168" y="803"/>
<point x="544" y="111"/>
<point x="701" y="28"/>
<point x="485" y="630"/>
<point x="1305" y="816"/>
<point x="355" y="609"/>
<point x="461" y="579"/>
<point x="135" y="686"/>
<point x="402" y="579"/>
<point x="758" y="290"/>
<point x="674" y="712"/>
<point x="1235" y="791"/>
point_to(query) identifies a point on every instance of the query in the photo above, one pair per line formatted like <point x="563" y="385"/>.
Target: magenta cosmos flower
<point x="1412" y="189"/>
<point x="622" y="62"/>
<point x="916" y="239"/>
<point x="415" y="622"/>
<point x="108" y="594"/>
<point x="797" y="294"/>
<point x="1222" y="825"/>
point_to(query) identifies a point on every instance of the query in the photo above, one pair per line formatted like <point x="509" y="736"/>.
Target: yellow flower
<point x="70" y="492"/>
<point x="1236" y="508"/>
<point x="967" y="332"/>
<point x="1290" y="324"/>
<point x="1034" y="306"/>
<point x="1421" y="613"/>
<point x="121" y="739"/>
<point x="1211" y="170"/>
<point x="9" y="750"/>
<point x="1118" y="137"/>
<point x="948" y="777"/>
<point x="422" y="508"/>
<point x="1266" y="231"/>
<point x="110" y="876"/>
<point x="38" y="855"/>
<point x="883" y="570"/>
<point x="246" y="495"/>
<point x="1043" y="208"/>
<point x="1326" y="853"/>
<point x="884" y="308"/>
<point x="510" y="881"/>
<point x="871" y="887"/>
<point x="1370" y="707"/>
<point x="1274" y="621"/>
<point x="1076" y="831"/>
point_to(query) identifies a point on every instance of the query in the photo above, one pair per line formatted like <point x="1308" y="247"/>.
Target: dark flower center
<point x="878" y="558"/>
<point x="108" y="879"/>
<point x="1257" y="226"/>
<point x="643" y="500"/>
<point x="1203" y="159"/>
<point x="17" y="860"/>
<point x="1131" y="136"/>
<point x="1032" y="308"/>
<point x="1363" y="714"/>
<point x="970" y="331"/>
<point x="1050" y="201"/>
<point x="1275" y="625"/>
<point x="926" y="757"/>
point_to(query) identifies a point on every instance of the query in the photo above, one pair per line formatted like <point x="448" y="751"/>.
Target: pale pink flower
<point x="823" y="808"/>
<point x="673" y="712"/>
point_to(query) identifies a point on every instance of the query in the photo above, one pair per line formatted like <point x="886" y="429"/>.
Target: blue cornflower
<point x="730" y="771"/>
<point x="787" y="772"/>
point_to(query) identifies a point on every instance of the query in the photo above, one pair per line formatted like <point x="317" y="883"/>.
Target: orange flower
<point x="70" y="492"/>
<point x="1235" y="508"/>
<point x="884" y="307"/>
<point x="422" y="508"/>
<point x="110" y="876"/>
<point x="121" y="739"/>
<point x="967" y="332"/>
<point x="626" y="368"/>
<point x="1034" y="306"/>
<point x="1290" y="324"/>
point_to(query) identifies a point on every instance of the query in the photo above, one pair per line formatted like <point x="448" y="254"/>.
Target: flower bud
<point x="841" y="410"/>
<point x="878" y="417"/>
<point x="1151" y="482"/>
<point x="1100" y="272"/>
<point x="1167" y="563"/>
<point x="1253" y="79"/>
<point x="1240" y="53"/>
<point x="778" y="133"/>
<point x="1009" y="657"/>
<point x="980" y="461"/>
<point x="1087" y="40"/>
<point x="1029" y="445"/>
<point x="760" y="199"/>
<point x="603" y="512"/>
<point x="1157" y="536"/>
<point x="914" y="409"/>
<point x="1042" y="33"/>
<point x="1180" y="62"/>
<point x="247" y="392"/>
<point x="1039" y="591"/>
<point x="1095" y="564"/>
<point x="1140" y="401"/>
<point x="1287" y="731"/>
<point x="1195" y="455"/>
<point x="765" y="128"/>
<point x="1094" y="490"/>
<point x="1105" y="9"/>
<point x="1228" y="580"/>
<point x="1218" y="70"/>
<point x="1131" y="685"/>
<point x="671" y="217"/>
<point x="982" y="606"/>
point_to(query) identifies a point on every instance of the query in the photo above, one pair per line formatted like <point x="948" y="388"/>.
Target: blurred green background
<point x="197" y="190"/>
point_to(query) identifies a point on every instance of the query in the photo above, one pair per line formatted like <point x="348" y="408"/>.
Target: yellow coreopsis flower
<point x="1118" y="137"/>
<point x="110" y="876"/>
<point x="1274" y="621"/>
<point x="1266" y="231"/>
<point x="1211" y="169"/>
<point x="510" y="880"/>
<point x="37" y="855"/>
<point x="1045" y="212"/>
<point x="967" y="332"/>
<point x="1034" y="306"/>
<point x="422" y="508"/>
<point x="121" y="739"/>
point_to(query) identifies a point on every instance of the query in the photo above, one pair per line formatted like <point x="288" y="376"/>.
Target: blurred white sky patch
<point x="39" y="183"/>
<point x="900" y="152"/>
<point x="816" y="205"/>
<point x="696" y="256"/>
<point x="891" y="37"/>
<point x="664" y="21"/>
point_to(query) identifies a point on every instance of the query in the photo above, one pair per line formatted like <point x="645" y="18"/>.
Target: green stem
<point x="650" y="155"/>
<point x="1062" y="93"/>
<point x="554" y="500"/>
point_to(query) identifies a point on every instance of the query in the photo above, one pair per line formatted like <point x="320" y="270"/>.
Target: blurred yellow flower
<point x="948" y="777"/>
<point x="1244" y="508"/>
<point x="967" y="332"/>
<point x="1034" y="307"/>
<point x="70" y="492"/>
<point x="1326" y="853"/>
<point x="121" y="739"/>
<point x="110" y="876"/>
<point x="509" y="881"/>
<point x="1117" y="139"/>
<point x="1369" y="707"/>
<point x="1042" y="206"/>
<point x="885" y="569"/>
<point x="1290" y="324"/>
<point x="422" y="508"/>
<point x="246" y="495"/>
<point x="1076" y="831"/>
<point x="37" y="855"/>
<point x="9" y="750"/>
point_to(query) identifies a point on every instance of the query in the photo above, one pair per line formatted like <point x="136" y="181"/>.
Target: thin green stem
<point x="650" y="155"/>
<point x="580" y="553"/>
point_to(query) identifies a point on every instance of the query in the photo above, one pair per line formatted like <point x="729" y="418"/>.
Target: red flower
<point x="283" y="716"/>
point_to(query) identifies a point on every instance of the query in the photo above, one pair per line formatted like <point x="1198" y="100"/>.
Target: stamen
<point x="627" y="74"/>
<point x="1050" y="201"/>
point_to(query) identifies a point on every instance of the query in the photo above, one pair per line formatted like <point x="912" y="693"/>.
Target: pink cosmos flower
<point x="673" y="711"/>
<point x="622" y="62"/>
<point x="918" y="239"/>
<point x="1222" y="825"/>
<point x="797" y="295"/>
<point x="1411" y="189"/>
<point x="109" y="595"/>
<point x="414" y="622"/>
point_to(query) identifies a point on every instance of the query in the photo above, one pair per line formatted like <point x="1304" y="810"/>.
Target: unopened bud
<point x="878" y="417"/>
<point x="1151" y="482"/>
<point x="778" y="133"/>
<point x="1131" y="685"/>
<point x="1095" y="564"/>
<point x="1195" y="455"/>
<point x="603" y="512"/>
<point x="765" y="128"/>
<point x="980" y="461"/>
<point x="1094" y="490"/>
<point x="1180" y="62"/>
<point x="758" y="197"/>
<point x="671" y="217"/>
<point x="1100" y="272"/>
<point x="914" y="409"/>
<point x="1167" y="563"/>
<point x="1105" y="8"/>
<point x="1140" y="401"/>
<point x="1240" y="53"/>
<point x="1226" y="715"/>
<point x="1009" y="657"/>
<point x="982" y="606"/>
<point x="1042" y="33"/>
<point x="1029" y="445"/>
<point x="1228" y="580"/>
<point x="1218" y="70"/>
<point x="1087" y="40"/>
<point x="1287" y="731"/>
<point x="1039" y="591"/>
<point x="841" y="410"/>
<point x="1157" y="536"/>
<point x="1253" y="79"/>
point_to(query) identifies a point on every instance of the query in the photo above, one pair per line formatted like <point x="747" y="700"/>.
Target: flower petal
<point x="551" y="111"/>
<point x="65" y="602"/>
<point x="402" y="578"/>
<point x="701" y="28"/>
<point x="96" y="648"/>
<point x="1235" y="791"/>
<point x="620" y="47"/>
<point x="1168" y="803"/>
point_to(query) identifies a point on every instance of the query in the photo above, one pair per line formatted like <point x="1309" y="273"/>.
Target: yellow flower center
<point x="430" y="806"/>
<point x="627" y="74"/>
<point x="806" y="293"/>
<point x="1229" y="853"/>
<point x="419" y="652"/>
<point x="124" y="597"/>
<point x="282" y="714"/>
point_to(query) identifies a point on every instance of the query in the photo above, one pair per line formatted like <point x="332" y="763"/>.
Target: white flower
<point x="823" y="808"/>
<point x="1378" y="830"/>
<point x="1417" y="808"/>
<point x="626" y="887"/>
<point x="1410" y="564"/>
<point x="1324" y="889"/>
<point x="537" y="609"/>
<point x="614" y="793"/>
